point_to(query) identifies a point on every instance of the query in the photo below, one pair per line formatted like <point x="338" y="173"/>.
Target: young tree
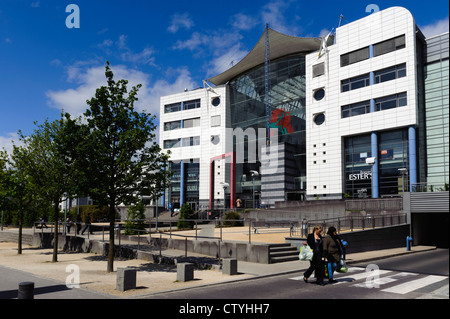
<point x="48" y="169"/>
<point x="119" y="150"/>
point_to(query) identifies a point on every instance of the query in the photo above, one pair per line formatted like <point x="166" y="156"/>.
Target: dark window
<point x="319" y="94"/>
<point x="389" y="46"/>
<point x="355" y="56"/>
<point x="195" y="104"/>
<point x="216" y="101"/>
<point x="172" y="108"/>
<point x="172" y="143"/>
<point x="319" y="119"/>
<point x="390" y="102"/>
<point x="355" y="109"/>
<point x="318" y="69"/>
<point x="170" y="126"/>
<point x="391" y="73"/>
<point x="355" y="83"/>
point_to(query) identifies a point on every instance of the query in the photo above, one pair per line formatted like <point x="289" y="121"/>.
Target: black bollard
<point x="26" y="290"/>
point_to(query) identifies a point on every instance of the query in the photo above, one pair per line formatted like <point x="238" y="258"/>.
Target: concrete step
<point x="282" y="253"/>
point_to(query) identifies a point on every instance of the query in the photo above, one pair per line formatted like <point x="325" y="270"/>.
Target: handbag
<point x="305" y="253"/>
<point x="342" y="266"/>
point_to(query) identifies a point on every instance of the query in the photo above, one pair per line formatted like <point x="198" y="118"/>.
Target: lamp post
<point x="225" y="186"/>
<point x="254" y="173"/>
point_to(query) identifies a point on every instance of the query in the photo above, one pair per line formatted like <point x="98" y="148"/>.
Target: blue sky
<point x="164" y="45"/>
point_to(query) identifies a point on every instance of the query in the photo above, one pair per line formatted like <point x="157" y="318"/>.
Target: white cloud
<point x="89" y="78"/>
<point x="244" y="22"/>
<point x="180" y="20"/>
<point x="7" y="142"/>
<point x="273" y="13"/>
<point x="438" y="27"/>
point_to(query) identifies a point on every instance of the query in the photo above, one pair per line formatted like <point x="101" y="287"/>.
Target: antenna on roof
<point x="341" y="17"/>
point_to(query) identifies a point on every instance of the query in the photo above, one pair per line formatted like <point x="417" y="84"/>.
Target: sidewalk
<point x="151" y="278"/>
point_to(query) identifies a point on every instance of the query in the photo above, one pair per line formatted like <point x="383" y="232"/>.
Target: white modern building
<point x="347" y="116"/>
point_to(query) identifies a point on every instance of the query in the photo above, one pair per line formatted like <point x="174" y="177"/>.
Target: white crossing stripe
<point x="359" y="276"/>
<point x="385" y="280"/>
<point x="414" y="284"/>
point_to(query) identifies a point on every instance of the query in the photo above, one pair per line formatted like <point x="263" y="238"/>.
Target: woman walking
<point x="315" y="241"/>
<point x="332" y="250"/>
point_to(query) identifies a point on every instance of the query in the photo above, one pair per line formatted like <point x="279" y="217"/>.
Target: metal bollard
<point x="26" y="290"/>
<point x="408" y="243"/>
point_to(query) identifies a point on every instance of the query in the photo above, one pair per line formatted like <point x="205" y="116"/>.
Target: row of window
<point x="380" y="76"/>
<point x="180" y="106"/>
<point x="182" y="142"/>
<point x="175" y="125"/>
<point x="381" y="104"/>
<point x="380" y="48"/>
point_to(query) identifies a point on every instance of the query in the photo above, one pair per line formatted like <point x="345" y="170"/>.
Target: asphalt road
<point x="404" y="277"/>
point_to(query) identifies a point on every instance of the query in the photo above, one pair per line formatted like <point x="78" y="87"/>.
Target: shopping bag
<point x="328" y="270"/>
<point x="305" y="253"/>
<point x="342" y="266"/>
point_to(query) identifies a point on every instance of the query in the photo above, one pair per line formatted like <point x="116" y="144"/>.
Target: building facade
<point x="361" y="113"/>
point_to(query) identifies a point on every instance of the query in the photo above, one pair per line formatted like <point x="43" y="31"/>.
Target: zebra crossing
<point x="386" y="280"/>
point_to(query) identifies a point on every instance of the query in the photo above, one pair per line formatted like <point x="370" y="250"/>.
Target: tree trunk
<point x="19" y="241"/>
<point x="112" y="217"/>
<point x="55" y="236"/>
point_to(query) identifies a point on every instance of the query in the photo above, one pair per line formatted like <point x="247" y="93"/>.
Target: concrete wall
<point x="373" y="239"/>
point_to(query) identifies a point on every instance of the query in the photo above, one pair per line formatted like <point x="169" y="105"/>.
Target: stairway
<point x="279" y="253"/>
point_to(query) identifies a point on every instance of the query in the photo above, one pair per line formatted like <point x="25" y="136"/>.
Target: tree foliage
<point x="119" y="151"/>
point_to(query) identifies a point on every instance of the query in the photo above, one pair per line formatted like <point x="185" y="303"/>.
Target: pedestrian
<point x="332" y="251"/>
<point x="87" y="224"/>
<point x="78" y="223"/>
<point x="171" y="209"/>
<point x="43" y="224"/>
<point x="238" y="203"/>
<point x="314" y="241"/>
<point x="68" y="224"/>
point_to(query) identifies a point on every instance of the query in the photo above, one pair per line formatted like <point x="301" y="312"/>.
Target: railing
<point x="428" y="187"/>
<point x="349" y="224"/>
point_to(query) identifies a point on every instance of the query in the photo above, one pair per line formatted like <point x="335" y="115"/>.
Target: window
<point x="195" y="104"/>
<point x="172" y="143"/>
<point x="319" y="94"/>
<point x="390" y="102"/>
<point x="355" y="109"/>
<point x="191" y="122"/>
<point x="355" y="56"/>
<point x="319" y="119"/>
<point x="318" y="69"/>
<point x="191" y="141"/>
<point x="170" y="126"/>
<point x="215" y="120"/>
<point x="172" y="108"/>
<point x="355" y="83"/>
<point x="216" y="101"/>
<point x="391" y="73"/>
<point x="389" y="46"/>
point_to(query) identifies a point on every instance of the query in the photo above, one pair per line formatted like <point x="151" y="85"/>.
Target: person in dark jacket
<point x="314" y="241"/>
<point x="332" y="249"/>
<point x="87" y="224"/>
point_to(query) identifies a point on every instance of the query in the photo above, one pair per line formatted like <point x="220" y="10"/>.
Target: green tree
<point x="19" y="190"/>
<point x="48" y="170"/>
<point x="119" y="149"/>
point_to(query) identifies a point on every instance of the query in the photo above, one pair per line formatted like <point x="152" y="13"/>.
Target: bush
<point x="230" y="219"/>
<point x="135" y="221"/>
<point x="97" y="212"/>
<point x="186" y="212"/>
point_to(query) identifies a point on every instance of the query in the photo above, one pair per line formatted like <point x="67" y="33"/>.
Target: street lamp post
<point x="254" y="173"/>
